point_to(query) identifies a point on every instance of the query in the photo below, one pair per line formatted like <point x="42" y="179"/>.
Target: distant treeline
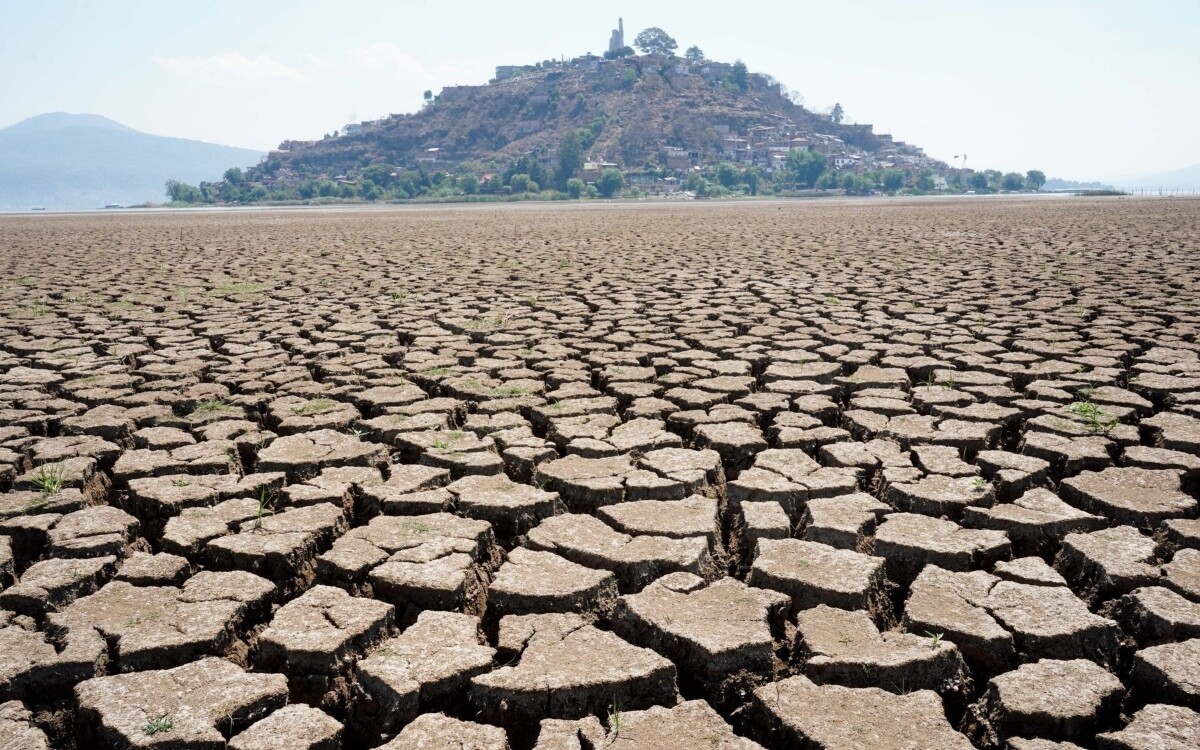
<point x="526" y="178"/>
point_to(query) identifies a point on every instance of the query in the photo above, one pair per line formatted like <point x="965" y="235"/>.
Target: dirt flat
<point x="842" y="475"/>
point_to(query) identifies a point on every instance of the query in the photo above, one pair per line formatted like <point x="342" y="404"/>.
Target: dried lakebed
<point x="886" y="475"/>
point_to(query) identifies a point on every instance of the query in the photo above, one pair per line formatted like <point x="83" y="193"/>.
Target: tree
<point x="570" y="158"/>
<point x="694" y="55"/>
<point x="181" y="192"/>
<point x="234" y="176"/>
<point x="925" y="180"/>
<point x="655" y="41"/>
<point x="1035" y="178"/>
<point x="752" y="177"/>
<point x="610" y="182"/>
<point x="468" y="183"/>
<point x="740" y="75"/>
<point x="614" y="54"/>
<point x="979" y="181"/>
<point x="371" y="191"/>
<point x="837" y="114"/>
<point x="380" y="174"/>
<point x="575" y="187"/>
<point x="804" y="168"/>
<point x="520" y="183"/>
<point x="727" y="174"/>
<point x="428" y="97"/>
<point x="893" y="180"/>
<point x="1012" y="181"/>
<point x="848" y="182"/>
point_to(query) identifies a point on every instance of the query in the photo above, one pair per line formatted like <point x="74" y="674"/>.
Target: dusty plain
<point x="848" y="475"/>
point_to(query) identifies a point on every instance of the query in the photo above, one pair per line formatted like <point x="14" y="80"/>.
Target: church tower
<point x="617" y="40"/>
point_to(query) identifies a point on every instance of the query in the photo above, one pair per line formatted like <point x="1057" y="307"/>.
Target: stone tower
<point x="617" y="40"/>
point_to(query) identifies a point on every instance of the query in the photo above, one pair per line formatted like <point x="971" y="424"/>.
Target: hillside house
<point x="592" y="169"/>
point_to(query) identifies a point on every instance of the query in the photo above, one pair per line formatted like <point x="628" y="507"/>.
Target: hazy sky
<point x="1078" y="89"/>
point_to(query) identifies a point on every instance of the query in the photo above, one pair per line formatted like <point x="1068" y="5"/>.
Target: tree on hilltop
<point x="694" y="55"/>
<point x="740" y="75"/>
<point x="655" y="41"/>
<point x="837" y="115"/>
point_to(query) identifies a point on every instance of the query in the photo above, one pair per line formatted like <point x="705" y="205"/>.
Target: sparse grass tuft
<point x="935" y="639"/>
<point x="208" y="407"/>
<point x="159" y="725"/>
<point x="266" y="498"/>
<point x="614" y="716"/>
<point x="49" y="479"/>
<point x="316" y="406"/>
<point x="1095" y="418"/>
<point x="979" y="485"/>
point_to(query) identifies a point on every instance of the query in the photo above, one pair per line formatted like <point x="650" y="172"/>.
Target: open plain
<point x="878" y="475"/>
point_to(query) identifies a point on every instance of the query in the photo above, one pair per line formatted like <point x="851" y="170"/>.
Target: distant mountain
<point x="67" y="162"/>
<point x="1187" y="178"/>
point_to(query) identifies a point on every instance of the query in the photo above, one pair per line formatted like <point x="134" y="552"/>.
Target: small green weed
<point x="159" y="725"/>
<point x="316" y="406"/>
<point x="49" y="479"/>
<point x="935" y="639"/>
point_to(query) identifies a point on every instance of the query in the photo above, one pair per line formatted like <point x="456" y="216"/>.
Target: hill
<point x="68" y="162"/>
<point x="1187" y="178"/>
<point x="634" y="107"/>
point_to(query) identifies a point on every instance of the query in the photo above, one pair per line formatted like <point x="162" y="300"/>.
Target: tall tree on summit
<point x="655" y="41"/>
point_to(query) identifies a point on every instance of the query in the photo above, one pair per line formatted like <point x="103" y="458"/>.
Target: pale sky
<point x="1081" y="90"/>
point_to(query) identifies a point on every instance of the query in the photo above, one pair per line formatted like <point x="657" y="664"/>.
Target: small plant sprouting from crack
<point x="1095" y="419"/>
<point x="979" y="485"/>
<point x="935" y="639"/>
<point x="832" y="300"/>
<point x="49" y="479"/>
<point x="315" y="406"/>
<point x="614" y="716"/>
<point x="208" y="407"/>
<point x="265" y="499"/>
<point x="441" y="444"/>
<point x="158" y="726"/>
<point x="180" y="482"/>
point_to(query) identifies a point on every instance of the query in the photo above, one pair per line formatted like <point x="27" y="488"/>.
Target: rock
<point x="1140" y="497"/>
<point x="909" y="542"/>
<point x="50" y="585"/>
<point x="93" y="532"/>
<point x="306" y="454"/>
<point x="159" y="627"/>
<point x="1031" y="570"/>
<point x="426" y="668"/>
<point x="636" y="561"/>
<point x="163" y="569"/>
<point x="567" y="669"/>
<point x="512" y="509"/>
<point x="1183" y="574"/>
<point x="941" y="496"/>
<point x="280" y="546"/>
<point x="846" y="648"/>
<point x="1108" y="563"/>
<point x="1156" y="727"/>
<point x="843" y="521"/>
<point x="691" y="724"/>
<point x="17" y="730"/>
<point x="440" y="732"/>
<point x="722" y="637"/>
<point x="433" y="561"/>
<point x="1062" y="700"/>
<point x="811" y="574"/>
<point x="531" y="582"/>
<point x="316" y="638"/>
<point x="1168" y="674"/>
<point x="1036" y="522"/>
<point x="1154" y="615"/>
<point x="194" y="705"/>
<point x="798" y="713"/>
<point x="294" y="727"/>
